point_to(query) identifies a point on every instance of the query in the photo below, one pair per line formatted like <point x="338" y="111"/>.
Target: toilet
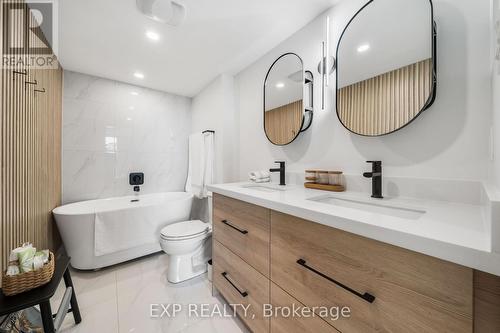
<point x="189" y="247"/>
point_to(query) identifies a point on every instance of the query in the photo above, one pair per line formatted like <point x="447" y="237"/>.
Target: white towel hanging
<point x="201" y="163"/>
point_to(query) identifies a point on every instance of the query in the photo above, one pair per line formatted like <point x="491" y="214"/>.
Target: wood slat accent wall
<point x="30" y="141"/>
<point x="386" y="102"/>
<point x="283" y="123"/>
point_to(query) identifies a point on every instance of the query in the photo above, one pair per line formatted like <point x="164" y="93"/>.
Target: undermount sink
<point x="266" y="187"/>
<point x="372" y="207"/>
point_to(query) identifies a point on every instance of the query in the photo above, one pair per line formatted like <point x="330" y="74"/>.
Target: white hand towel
<point x="209" y="161"/>
<point x="262" y="180"/>
<point x="195" y="172"/>
<point x="262" y="174"/>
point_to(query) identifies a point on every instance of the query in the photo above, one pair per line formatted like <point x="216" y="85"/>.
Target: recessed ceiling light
<point x="363" y="48"/>
<point x="139" y="75"/>
<point x="135" y="93"/>
<point x="280" y="85"/>
<point x="129" y="119"/>
<point x="152" y="35"/>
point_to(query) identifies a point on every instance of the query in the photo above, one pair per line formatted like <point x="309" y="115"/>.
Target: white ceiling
<point x="106" y="38"/>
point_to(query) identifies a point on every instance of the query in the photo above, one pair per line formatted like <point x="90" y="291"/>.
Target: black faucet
<point x="281" y="170"/>
<point x="376" y="176"/>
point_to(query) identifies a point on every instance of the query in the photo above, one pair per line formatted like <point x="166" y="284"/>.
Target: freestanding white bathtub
<point x="100" y="233"/>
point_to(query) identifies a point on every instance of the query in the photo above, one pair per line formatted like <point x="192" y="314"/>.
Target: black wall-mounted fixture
<point x="136" y="178"/>
<point x="308" y="101"/>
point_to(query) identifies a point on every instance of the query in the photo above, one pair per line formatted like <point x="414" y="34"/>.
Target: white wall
<point x="450" y="140"/>
<point x="214" y="108"/>
<point x="496" y="96"/>
<point x="109" y="132"/>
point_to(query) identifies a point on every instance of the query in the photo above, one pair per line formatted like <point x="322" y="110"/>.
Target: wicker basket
<point x="16" y="284"/>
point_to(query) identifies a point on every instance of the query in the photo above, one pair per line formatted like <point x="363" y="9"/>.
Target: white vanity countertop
<point x="455" y="232"/>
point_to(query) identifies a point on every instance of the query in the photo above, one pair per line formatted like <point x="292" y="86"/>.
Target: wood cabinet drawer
<point x="281" y="322"/>
<point x="239" y="283"/>
<point x="413" y="292"/>
<point x="244" y="229"/>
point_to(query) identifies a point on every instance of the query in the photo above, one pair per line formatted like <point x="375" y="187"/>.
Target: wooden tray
<point x="325" y="187"/>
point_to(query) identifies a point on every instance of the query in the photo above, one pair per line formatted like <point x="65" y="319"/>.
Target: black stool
<point x="41" y="296"/>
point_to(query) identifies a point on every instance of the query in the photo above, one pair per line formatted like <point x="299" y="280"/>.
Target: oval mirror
<point x="386" y="65"/>
<point x="284" y="110"/>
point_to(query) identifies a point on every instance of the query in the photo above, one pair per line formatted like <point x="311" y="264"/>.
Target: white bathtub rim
<point x="73" y="209"/>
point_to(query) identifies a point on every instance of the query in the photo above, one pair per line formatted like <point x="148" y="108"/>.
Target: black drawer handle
<point x="242" y="293"/>
<point x="226" y="222"/>
<point x="366" y="296"/>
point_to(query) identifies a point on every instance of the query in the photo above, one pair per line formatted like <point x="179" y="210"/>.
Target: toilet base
<point x="181" y="268"/>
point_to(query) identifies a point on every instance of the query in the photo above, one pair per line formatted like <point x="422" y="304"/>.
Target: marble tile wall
<point x="111" y="129"/>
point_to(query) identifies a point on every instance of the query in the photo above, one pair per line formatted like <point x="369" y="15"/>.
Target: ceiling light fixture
<point x="135" y="93"/>
<point x="171" y="12"/>
<point x="152" y="35"/>
<point x="280" y="85"/>
<point x="139" y="75"/>
<point x="363" y="48"/>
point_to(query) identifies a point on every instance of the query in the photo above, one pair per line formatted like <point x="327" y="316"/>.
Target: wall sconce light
<point x="327" y="64"/>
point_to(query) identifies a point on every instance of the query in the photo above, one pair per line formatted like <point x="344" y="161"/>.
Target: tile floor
<point x="117" y="299"/>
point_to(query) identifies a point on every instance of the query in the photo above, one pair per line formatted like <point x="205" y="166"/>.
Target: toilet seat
<point x="185" y="230"/>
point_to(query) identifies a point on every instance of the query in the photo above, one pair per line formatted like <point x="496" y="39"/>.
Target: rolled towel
<point x="262" y="180"/>
<point x="12" y="270"/>
<point x="40" y="258"/>
<point x="25" y="257"/>
<point x="262" y="174"/>
<point x="13" y="254"/>
<point x="254" y="175"/>
<point x="37" y="261"/>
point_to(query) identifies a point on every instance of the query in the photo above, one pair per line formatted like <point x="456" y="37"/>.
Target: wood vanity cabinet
<point x="244" y="229"/>
<point x="285" y="260"/>
<point x="291" y="324"/>
<point x="241" y="234"/>
<point x="241" y="284"/>
<point x="413" y="292"/>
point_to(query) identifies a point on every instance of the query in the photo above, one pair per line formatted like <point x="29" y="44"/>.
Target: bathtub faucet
<point x="137" y="188"/>
<point x="135" y="179"/>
